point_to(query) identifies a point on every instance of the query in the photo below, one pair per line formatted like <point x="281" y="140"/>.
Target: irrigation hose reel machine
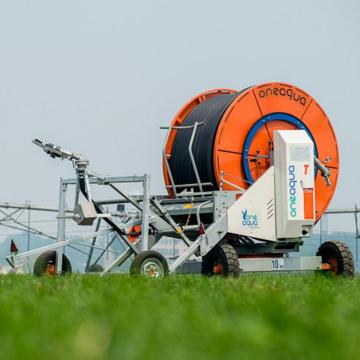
<point x="248" y="174"/>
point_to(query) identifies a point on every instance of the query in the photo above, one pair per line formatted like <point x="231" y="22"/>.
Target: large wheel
<point x="222" y="261"/>
<point x="149" y="264"/>
<point x="338" y="256"/>
<point x="45" y="264"/>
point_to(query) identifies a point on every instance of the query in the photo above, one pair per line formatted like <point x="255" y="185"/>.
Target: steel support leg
<point x="61" y="226"/>
<point x="145" y="214"/>
<point x="118" y="261"/>
<point x="92" y="246"/>
<point x="191" y="250"/>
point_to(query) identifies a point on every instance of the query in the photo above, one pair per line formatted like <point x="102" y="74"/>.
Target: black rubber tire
<point x="224" y="255"/>
<point x="48" y="257"/>
<point x="140" y="259"/>
<point x="342" y="253"/>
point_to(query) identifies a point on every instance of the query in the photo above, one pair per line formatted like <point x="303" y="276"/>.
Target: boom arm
<point x="57" y="151"/>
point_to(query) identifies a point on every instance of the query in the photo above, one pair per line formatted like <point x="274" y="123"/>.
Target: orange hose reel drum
<point x="244" y="135"/>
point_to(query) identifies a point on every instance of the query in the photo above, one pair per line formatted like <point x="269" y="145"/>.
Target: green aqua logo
<point x="249" y="220"/>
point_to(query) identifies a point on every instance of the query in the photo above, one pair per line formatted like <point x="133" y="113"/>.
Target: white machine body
<point x="281" y="203"/>
<point x="294" y="183"/>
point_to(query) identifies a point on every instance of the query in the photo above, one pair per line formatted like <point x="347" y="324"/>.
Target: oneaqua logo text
<point x="292" y="191"/>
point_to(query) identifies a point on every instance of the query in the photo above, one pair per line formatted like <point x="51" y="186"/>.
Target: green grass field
<point x="180" y="317"/>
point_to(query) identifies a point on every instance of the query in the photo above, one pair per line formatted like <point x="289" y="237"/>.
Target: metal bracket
<point x="193" y="162"/>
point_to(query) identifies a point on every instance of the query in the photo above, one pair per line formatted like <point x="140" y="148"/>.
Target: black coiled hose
<point x="210" y="113"/>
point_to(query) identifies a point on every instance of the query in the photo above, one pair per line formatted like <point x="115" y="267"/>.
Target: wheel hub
<point x="50" y="269"/>
<point x="218" y="269"/>
<point x="152" y="268"/>
<point x="334" y="265"/>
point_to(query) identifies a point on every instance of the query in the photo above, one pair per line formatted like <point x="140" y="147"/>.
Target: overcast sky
<point x="100" y="77"/>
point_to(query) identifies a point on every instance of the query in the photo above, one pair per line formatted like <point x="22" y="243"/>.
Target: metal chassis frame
<point x="99" y="180"/>
<point x="63" y="214"/>
<point x="153" y="210"/>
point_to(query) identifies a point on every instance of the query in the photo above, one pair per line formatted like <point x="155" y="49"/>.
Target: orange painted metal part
<point x="50" y="270"/>
<point x="218" y="269"/>
<point x="334" y="265"/>
<point x="134" y="233"/>
<point x="250" y="106"/>
<point x="309" y="204"/>
<point x="326" y="266"/>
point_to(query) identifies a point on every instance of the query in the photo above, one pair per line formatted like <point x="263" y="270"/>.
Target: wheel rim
<point x="152" y="268"/>
<point x="218" y="268"/>
<point x="334" y="265"/>
<point x="50" y="269"/>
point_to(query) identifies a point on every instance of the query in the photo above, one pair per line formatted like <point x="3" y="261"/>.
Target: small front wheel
<point x="45" y="264"/>
<point x="149" y="264"/>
